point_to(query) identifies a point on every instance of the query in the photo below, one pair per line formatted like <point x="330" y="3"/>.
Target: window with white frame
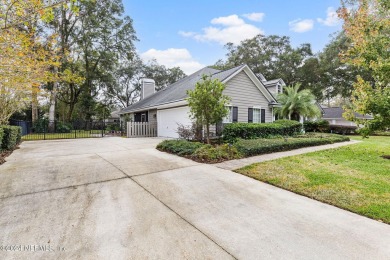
<point x="229" y="117"/>
<point x="256" y="115"/>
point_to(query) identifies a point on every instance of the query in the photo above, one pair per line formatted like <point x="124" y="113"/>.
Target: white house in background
<point x="252" y="100"/>
<point x="334" y="115"/>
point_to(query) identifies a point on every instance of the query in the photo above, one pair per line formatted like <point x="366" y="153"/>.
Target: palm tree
<point x="296" y="103"/>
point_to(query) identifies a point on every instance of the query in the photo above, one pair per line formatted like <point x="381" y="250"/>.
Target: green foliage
<point x="12" y="136"/>
<point x="297" y="103"/>
<point x="1" y="136"/>
<point x="272" y="55"/>
<point x="162" y="75"/>
<point x="342" y="129"/>
<point x="381" y="133"/>
<point x="213" y="154"/>
<point x="179" y="147"/>
<point x="208" y="103"/>
<point x="233" y="131"/>
<point x="321" y="126"/>
<point x="113" y="127"/>
<point x="367" y="26"/>
<point x="262" y="146"/>
<point x="40" y="125"/>
<point x="63" y="127"/>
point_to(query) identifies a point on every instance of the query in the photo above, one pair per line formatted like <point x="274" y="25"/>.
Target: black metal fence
<point x="45" y="130"/>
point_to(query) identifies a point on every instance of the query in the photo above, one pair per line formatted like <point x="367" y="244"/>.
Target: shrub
<point x="217" y="153"/>
<point x="262" y="146"/>
<point x="186" y="132"/>
<point x="232" y="132"/>
<point x="1" y="136"/>
<point x="179" y="147"/>
<point x="40" y="125"/>
<point x="381" y="133"/>
<point x="11" y="137"/>
<point x="321" y="126"/>
<point x="342" y="129"/>
<point x="63" y="127"/>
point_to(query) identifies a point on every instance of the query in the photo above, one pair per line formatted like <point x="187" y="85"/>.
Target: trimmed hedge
<point x="179" y="147"/>
<point x="214" y="154"/>
<point x="234" y="131"/>
<point x="12" y="136"/>
<point x="263" y="146"/>
<point x="342" y="129"/>
<point x="381" y="133"/>
<point x="321" y="126"/>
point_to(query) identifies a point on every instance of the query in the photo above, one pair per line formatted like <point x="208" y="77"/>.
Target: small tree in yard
<point x="207" y="103"/>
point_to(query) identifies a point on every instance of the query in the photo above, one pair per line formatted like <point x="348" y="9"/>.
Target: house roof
<point x="337" y="112"/>
<point x="273" y="82"/>
<point x="178" y="90"/>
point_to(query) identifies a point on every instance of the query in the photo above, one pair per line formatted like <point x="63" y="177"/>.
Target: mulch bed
<point x="4" y="154"/>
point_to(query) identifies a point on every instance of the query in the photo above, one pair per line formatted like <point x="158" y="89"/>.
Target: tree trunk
<point x="34" y="104"/>
<point x="208" y="133"/>
<point x="53" y="101"/>
<point x="70" y="112"/>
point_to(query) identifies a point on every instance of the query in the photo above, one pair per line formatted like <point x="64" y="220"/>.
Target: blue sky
<point x="191" y="34"/>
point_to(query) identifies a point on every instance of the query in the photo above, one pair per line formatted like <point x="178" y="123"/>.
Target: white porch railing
<point x="141" y="129"/>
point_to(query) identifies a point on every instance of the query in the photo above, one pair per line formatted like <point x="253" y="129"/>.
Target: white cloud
<point x="331" y="18"/>
<point x="231" y="20"/>
<point x="173" y="58"/>
<point x="231" y="29"/>
<point x="301" y="26"/>
<point x="257" y="17"/>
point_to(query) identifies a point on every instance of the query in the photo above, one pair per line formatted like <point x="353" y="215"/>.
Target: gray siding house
<point x="334" y="115"/>
<point x="252" y="100"/>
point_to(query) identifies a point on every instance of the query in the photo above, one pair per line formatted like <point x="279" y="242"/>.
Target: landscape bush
<point x="342" y="129"/>
<point x="321" y="126"/>
<point x="381" y="133"/>
<point x="186" y="132"/>
<point x="1" y="137"/>
<point x="179" y="147"/>
<point x="234" y="131"/>
<point x="11" y="136"/>
<point x="213" y="154"/>
<point x="63" y="127"/>
<point x="262" y="146"/>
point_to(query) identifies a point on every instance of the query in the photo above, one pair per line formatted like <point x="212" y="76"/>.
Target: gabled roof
<point x="178" y="90"/>
<point x="337" y="112"/>
<point x="273" y="82"/>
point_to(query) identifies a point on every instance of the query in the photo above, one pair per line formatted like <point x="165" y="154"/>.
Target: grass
<point x="50" y="136"/>
<point x="354" y="177"/>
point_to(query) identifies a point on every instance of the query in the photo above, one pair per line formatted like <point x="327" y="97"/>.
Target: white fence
<point x="141" y="129"/>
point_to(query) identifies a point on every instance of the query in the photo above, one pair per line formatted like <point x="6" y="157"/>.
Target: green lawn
<point x="354" y="177"/>
<point x="50" y="136"/>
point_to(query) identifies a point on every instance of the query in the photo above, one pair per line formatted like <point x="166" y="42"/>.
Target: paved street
<point x="118" y="198"/>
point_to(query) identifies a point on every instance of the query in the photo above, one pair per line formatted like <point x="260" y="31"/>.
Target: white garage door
<point x="168" y="119"/>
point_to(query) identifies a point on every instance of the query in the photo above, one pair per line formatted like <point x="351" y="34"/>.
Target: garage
<point x="168" y="120"/>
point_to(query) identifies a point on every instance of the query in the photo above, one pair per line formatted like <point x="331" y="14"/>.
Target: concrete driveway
<point x="116" y="198"/>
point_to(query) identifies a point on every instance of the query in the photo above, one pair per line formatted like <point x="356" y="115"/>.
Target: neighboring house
<point x="334" y="115"/>
<point x="252" y="100"/>
<point x="114" y="118"/>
